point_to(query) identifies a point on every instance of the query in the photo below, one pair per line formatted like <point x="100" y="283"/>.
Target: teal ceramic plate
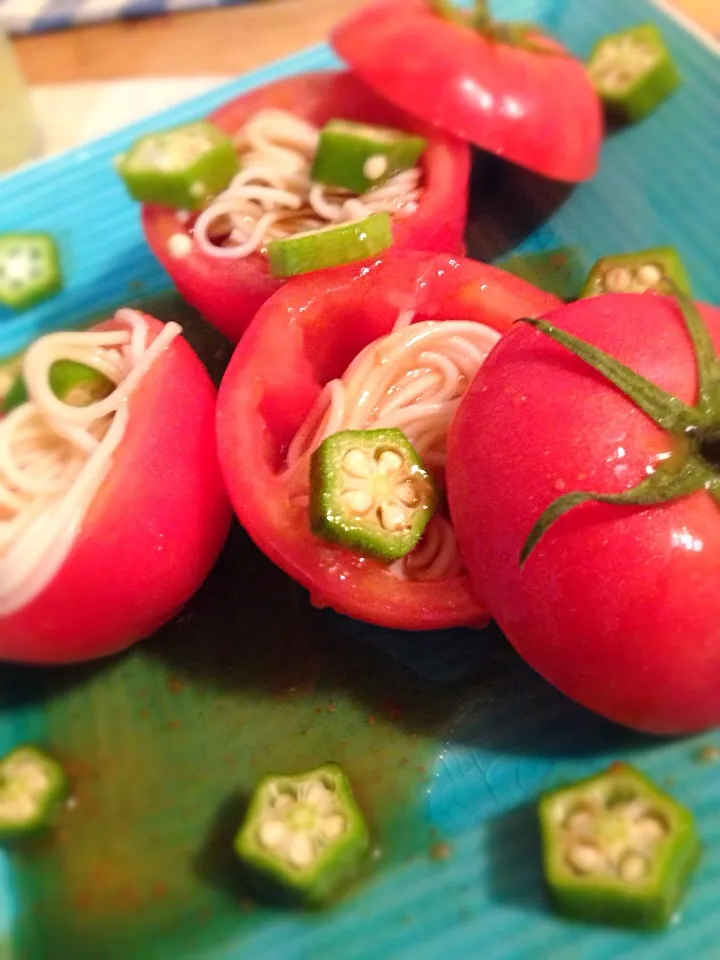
<point x="448" y="737"/>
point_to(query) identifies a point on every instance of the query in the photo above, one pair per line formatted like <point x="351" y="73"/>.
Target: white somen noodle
<point x="54" y="456"/>
<point x="273" y="196"/>
<point x="412" y="379"/>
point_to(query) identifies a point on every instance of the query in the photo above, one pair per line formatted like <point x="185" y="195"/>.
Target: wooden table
<point x="225" y="41"/>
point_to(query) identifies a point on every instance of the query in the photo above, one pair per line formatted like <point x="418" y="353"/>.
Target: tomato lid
<point x="504" y="87"/>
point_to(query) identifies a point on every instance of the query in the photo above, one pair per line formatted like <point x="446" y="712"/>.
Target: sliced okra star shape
<point x="637" y="272"/>
<point x="369" y="492"/>
<point x="32" y="789"/>
<point x="304" y="836"/>
<point x="617" y="849"/>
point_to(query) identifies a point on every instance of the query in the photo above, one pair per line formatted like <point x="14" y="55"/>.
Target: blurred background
<point x="74" y="69"/>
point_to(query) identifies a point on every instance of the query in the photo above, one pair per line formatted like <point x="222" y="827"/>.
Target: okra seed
<point x="198" y="189"/>
<point x="579" y="820"/>
<point x="271" y="833"/>
<point x="391" y="517"/>
<point x="389" y="461"/>
<point x="358" y="502"/>
<point x="333" y="827"/>
<point x="375" y="167"/>
<point x="318" y="794"/>
<point x="650" y="829"/>
<point x="650" y="274"/>
<point x="585" y="858"/>
<point x="355" y="463"/>
<point x="301" y="851"/>
<point x="618" y="279"/>
<point x="406" y="494"/>
<point x="633" y="867"/>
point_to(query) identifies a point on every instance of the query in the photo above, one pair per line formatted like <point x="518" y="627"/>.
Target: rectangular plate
<point x="448" y="737"/>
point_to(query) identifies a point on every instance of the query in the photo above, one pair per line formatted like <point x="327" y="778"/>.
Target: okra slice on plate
<point x="304" y="836"/>
<point x="617" y="849"/>
<point x="369" y="492"/>
<point x="637" y="272"/>
<point x="633" y="72"/>
<point x="330" y="246"/>
<point x="182" y="168"/>
<point x="33" y="787"/>
<point x="29" y="269"/>
<point x="358" y="156"/>
<point x="74" y="383"/>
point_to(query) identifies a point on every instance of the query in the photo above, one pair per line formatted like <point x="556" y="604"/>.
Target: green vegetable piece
<point x="330" y="246"/>
<point x="637" y="272"/>
<point x="304" y="836"/>
<point x="182" y="168"/>
<point x="29" y="269"/>
<point x="74" y="383"/>
<point x="369" y="492"/>
<point x="33" y="787"/>
<point x="560" y="272"/>
<point x="617" y="849"/>
<point x="633" y="72"/>
<point x="357" y="156"/>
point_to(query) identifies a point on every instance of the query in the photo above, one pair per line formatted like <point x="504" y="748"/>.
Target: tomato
<point x="534" y="108"/>
<point x="152" y="533"/>
<point x="617" y="606"/>
<point x="306" y="335"/>
<point x="229" y="292"/>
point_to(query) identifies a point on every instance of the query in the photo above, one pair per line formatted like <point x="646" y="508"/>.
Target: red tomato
<point x="307" y="334"/>
<point x="229" y="292"/>
<point x="536" y="109"/>
<point x="152" y="533"/>
<point x="617" y="606"/>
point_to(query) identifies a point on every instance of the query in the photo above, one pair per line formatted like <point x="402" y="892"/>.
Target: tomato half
<point x="617" y="606"/>
<point x="152" y="533"/>
<point x="537" y="109"/>
<point x="229" y="292"/>
<point x="306" y="335"/>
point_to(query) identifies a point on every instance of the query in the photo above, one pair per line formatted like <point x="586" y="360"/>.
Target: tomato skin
<point x="616" y="606"/>
<point x="228" y="293"/>
<point x="152" y="533"/>
<point x="537" y="110"/>
<point x="304" y="336"/>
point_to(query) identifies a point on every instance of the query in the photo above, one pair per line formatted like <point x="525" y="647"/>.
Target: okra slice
<point x="330" y="246"/>
<point x="358" y="156"/>
<point x="33" y="787"/>
<point x="29" y="269"/>
<point x="369" y="492"/>
<point x="637" y="272"/>
<point x="617" y="849"/>
<point x="183" y="168"/>
<point x="74" y="383"/>
<point x="633" y="72"/>
<point x="304" y="836"/>
<point x="560" y="272"/>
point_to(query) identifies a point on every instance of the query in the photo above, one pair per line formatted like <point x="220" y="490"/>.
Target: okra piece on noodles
<point x="369" y="492"/>
<point x="29" y="269"/>
<point x="633" y="72"/>
<point x="358" y="156"/>
<point x="74" y="383"/>
<point x="330" y="246"/>
<point x="637" y="272"/>
<point x="33" y="787"/>
<point x="181" y="168"/>
<point x="304" y="836"/>
<point x="617" y="849"/>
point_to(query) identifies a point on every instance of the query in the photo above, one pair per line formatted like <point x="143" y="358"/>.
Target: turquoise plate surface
<point x="477" y="891"/>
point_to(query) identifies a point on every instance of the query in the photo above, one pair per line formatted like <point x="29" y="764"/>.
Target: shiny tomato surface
<point x="228" y="292"/>
<point x="617" y="606"/>
<point x="152" y="533"/>
<point x="306" y="335"/>
<point x="535" y="108"/>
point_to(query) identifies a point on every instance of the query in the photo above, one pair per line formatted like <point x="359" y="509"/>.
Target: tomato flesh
<point x="152" y="533"/>
<point x="229" y="292"/>
<point x="535" y="109"/>
<point x="616" y="606"/>
<point x="307" y="334"/>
